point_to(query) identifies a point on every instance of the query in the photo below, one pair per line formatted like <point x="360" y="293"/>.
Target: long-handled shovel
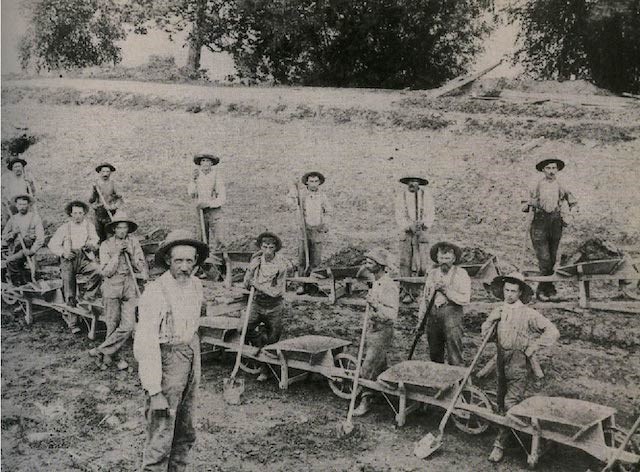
<point x="303" y="230"/>
<point x="203" y="227"/>
<point x="430" y="443"/>
<point x="623" y="445"/>
<point x="347" y="426"/>
<point x="30" y="263"/>
<point x="423" y="322"/>
<point x="234" y="388"/>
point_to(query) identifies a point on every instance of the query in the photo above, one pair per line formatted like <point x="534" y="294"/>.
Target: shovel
<point x="234" y="388"/>
<point x="347" y="426"/>
<point x="431" y="443"/>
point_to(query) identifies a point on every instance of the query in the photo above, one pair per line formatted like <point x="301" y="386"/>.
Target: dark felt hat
<point x="542" y="164"/>
<point x="105" y="164"/>
<point x="313" y="173"/>
<point x="419" y="180"/>
<point x="180" y="237"/>
<point x="268" y="234"/>
<point x="14" y="161"/>
<point x="197" y="159"/>
<point x="121" y="217"/>
<point x="445" y="245"/>
<point x="497" y="286"/>
<point x="23" y="196"/>
<point x="75" y="203"/>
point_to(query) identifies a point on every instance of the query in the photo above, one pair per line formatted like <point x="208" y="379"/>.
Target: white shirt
<point x="81" y="234"/>
<point x="406" y="208"/>
<point x="209" y="189"/>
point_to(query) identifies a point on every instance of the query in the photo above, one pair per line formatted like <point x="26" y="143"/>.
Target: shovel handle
<point x="104" y="202"/>
<point x="485" y="341"/>
<point x="243" y="334"/>
<point x="32" y="266"/>
<point x="423" y="322"/>
<point x="356" y="377"/>
<point x="203" y="226"/>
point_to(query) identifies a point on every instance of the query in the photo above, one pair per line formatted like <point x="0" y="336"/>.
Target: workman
<point x="167" y="348"/>
<point x="383" y="305"/>
<point x="546" y="200"/>
<point x="23" y="227"/>
<point x="104" y="187"/>
<point x="76" y="242"/>
<point x="315" y="207"/>
<point x="208" y="190"/>
<point x="120" y="255"/>
<point x="267" y="273"/>
<point x="415" y="214"/>
<point x="451" y="286"/>
<point x="520" y="334"/>
<point x="15" y="182"/>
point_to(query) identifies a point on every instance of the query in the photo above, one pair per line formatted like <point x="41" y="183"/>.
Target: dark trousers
<point x="444" y="334"/>
<point x="271" y="317"/>
<point x="213" y="226"/>
<point x="315" y="238"/>
<point x="102" y="218"/>
<point x="546" y="232"/>
<point x="17" y="269"/>
<point x="170" y="438"/>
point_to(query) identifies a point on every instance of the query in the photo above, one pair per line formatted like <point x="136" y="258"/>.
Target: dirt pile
<point x="349" y="256"/>
<point x="474" y="255"/>
<point x="242" y="244"/>
<point x="17" y="144"/>
<point x="595" y="249"/>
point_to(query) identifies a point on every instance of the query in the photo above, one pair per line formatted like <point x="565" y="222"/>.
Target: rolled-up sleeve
<point x="459" y="291"/>
<point x="146" y="344"/>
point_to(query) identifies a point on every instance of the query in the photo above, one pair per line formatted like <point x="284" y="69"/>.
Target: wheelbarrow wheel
<point x="613" y="437"/>
<point x="250" y="366"/>
<point x="466" y="421"/>
<point x="9" y="297"/>
<point x="343" y="386"/>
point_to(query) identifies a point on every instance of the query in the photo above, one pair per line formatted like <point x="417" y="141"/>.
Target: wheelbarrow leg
<point x="534" y="456"/>
<point x="284" y="371"/>
<point x="401" y="417"/>
<point x="28" y="311"/>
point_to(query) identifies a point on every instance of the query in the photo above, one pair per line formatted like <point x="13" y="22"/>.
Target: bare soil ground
<point x="61" y="414"/>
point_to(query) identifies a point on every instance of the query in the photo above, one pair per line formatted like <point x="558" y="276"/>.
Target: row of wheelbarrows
<point x="405" y="386"/>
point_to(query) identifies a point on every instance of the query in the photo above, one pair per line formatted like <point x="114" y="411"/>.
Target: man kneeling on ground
<point x="266" y="273"/>
<point x="383" y="301"/>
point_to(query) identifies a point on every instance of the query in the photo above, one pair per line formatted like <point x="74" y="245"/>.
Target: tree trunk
<point x="196" y="40"/>
<point x="193" y="58"/>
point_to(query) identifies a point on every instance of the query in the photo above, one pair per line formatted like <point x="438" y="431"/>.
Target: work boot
<point x="122" y="364"/>
<point x="363" y="407"/>
<point x="106" y="362"/>
<point x="496" y="454"/>
<point x="407" y="299"/>
<point x="75" y="329"/>
<point x="300" y="290"/>
<point x="96" y="355"/>
<point x="262" y="377"/>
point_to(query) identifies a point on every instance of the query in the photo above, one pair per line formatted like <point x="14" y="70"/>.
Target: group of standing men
<point x="166" y="345"/>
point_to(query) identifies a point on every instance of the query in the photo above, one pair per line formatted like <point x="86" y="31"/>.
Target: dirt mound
<point x="572" y="87"/>
<point x="242" y="244"/>
<point x="595" y="249"/>
<point x="349" y="256"/>
<point x="474" y="255"/>
<point x="17" y="144"/>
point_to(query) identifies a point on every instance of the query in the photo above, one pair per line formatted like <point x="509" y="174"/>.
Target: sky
<point x="137" y="48"/>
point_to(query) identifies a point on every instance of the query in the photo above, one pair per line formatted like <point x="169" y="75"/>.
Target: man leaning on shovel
<point x="208" y="190"/>
<point x="104" y="198"/>
<point x="520" y="334"/>
<point x="120" y="258"/>
<point x="167" y="348"/>
<point x="383" y="304"/>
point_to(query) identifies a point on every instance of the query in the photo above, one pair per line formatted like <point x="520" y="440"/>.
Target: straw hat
<point x="380" y="256"/>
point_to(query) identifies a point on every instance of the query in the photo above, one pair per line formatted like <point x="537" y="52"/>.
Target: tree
<point x="357" y="43"/>
<point x="65" y="34"/>
<point x="592" y="40"/>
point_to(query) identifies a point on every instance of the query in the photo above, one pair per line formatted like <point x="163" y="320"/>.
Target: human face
<point x="446" y="258"/>
<point x="550" y="170"/>
<point x="268" y="248"/>
<point x="372" y="266"/>
<point x="206" y="165"/>
<point x="18" y="169"/>
<point x="182" y="260"/>
<point x="413" y="186"/>
<point x="121" y="230"/>
<point x="511" y="292"/>
<point x="77" y="214"/>
<point x="313" y="183"/>
<point x="22" y="205"/>
<point x="105" y="172"/>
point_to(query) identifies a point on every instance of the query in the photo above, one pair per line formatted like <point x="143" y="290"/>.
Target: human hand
<point x="68" y="255"/>
<point x="29" y="252"/>
<point x="196" y="174"/>
<point x="409" y="228"/>
<point x="439" y="286"/>
<point x="159" y="403"/>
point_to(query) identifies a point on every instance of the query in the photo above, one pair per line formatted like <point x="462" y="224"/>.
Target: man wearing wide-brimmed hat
<point x="167" y="348"/>
<point x="415" y="213"/>
<point x="383" y="304"/>
<point x="451" y="286"/>
<point x="208" y="190"/>
<point x="25" y="224"/>
<point x="76" y="242"/>
<point x="15" y="182"/>
<point x="547" y="201"/>
<point x="104" y="187"/>
<point x="316" y="208"/>
<point x="119" y="294"/>
<point x="520" y="334"/>
<point x="267" y="273"/>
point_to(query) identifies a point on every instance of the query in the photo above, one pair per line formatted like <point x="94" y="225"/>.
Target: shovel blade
<point x="232" y="391"/>
<point x="345" y="428"/>
<point x="427" y="446"/>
